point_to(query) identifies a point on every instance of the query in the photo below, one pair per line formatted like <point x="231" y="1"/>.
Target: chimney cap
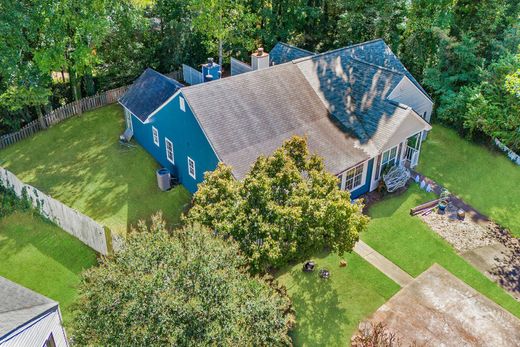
<point x="210" y="61"/>
<point x="260" y="51"/>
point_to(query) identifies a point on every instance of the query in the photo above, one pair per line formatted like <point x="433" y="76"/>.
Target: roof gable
<point x="283" y="53"/>
<point x="148" y="93"/>
<point x="377" y="52"/>
<point x="18" y="305"/>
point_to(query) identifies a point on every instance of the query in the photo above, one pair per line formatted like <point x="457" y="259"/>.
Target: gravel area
<point x="465" y="234"/>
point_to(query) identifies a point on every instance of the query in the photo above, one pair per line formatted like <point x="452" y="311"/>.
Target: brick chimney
<point x="259" y="59"/>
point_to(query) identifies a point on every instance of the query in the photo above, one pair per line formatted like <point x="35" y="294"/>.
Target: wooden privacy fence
<point x="75" y="223"/>
<point x="62" y="113"/>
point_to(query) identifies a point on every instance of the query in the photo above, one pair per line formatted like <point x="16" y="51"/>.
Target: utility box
<point x="211" y="71"/>
<point x="164" y="179"/>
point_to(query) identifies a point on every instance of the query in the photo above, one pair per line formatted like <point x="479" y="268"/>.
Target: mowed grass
<point x="80" y="163"/>
<point x="329" y="311"/>
<point x="414" y="247"/>
<point x="42" y="257"/>
<point x="485" y="179"/>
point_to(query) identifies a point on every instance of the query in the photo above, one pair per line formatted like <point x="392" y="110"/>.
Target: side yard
<point x="81" y="163"/>
<point x="40" y="256"/>
<point x="413" y="246"/>
<point x="484" y="179"/>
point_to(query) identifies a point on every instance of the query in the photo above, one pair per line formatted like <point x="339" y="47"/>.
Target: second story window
<point x="182" y="104"/>
<point x="191" y="168"/>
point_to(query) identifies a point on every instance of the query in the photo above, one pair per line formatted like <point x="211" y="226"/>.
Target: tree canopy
<point x="449" y="46"/>
<point x="287" y="208"/>
<point x="187" y="287"/>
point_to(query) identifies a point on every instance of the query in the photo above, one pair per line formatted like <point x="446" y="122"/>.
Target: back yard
<point x="81" y="163"/>
<point x="42" y="257"/>
<point x="484" y="179"/>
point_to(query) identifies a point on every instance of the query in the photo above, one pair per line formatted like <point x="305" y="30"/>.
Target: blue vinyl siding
<point x="368" y="178"/>
<point x="183" y="130"/>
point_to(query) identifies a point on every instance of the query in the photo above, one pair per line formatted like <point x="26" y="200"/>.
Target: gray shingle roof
<point x="18" y="305"/>
<point x="149" y="92"/>
<point x="336" y="99"/>
<point x="355" y="93"/>
<point x="252" y="114"/>
<point x="283" y="53"/>
<point x="377" y="52"/>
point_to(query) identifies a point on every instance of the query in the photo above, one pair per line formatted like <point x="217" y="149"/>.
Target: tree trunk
<point x="43" y="124"/>
<point x="74" y="88"/>
<point x="89" y="84"/>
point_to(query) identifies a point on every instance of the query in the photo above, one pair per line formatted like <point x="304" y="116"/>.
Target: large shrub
<point x="287" y="208"/>
<point x="185" y="288"/>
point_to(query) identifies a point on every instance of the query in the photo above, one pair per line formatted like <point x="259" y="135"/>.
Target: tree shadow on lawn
<point x="32" y="230"/>
<point x="319" y="317"/>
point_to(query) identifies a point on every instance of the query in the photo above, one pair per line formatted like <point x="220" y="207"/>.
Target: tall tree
<point x="184" y="288"/>
<point x="287" y="208"/>
<point x="363" y="20"/>
<point x="72" y="32"/>
<point x="224" y="23"/>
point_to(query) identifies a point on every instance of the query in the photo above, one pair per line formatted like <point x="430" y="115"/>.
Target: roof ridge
<point x="295" y="47"/>
<point x="377" y="66"/>
<point x="337" y="50"/>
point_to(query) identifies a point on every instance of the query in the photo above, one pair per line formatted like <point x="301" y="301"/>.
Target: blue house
<point x="358" y="107"/>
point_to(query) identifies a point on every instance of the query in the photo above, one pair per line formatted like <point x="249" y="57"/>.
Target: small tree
<point x="287" y="208"/>
<point x="187" y="288"/>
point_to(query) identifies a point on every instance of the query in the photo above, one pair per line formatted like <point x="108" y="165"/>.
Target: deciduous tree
<point x="184" y="288"/>
<point x="286" y="208"/>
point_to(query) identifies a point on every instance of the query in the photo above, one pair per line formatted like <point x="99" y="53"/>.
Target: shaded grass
<point x="80" y="163"/>
<point x="328" y="311"/>
<point x="414" y="247"/>
<point x="42" y="257"/>
<point x="485" y="179"/>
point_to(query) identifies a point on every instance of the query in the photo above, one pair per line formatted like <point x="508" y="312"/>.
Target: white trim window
<point x="169" y="150"/>
<point x="182" y="104"/>
<point x="389" y="158"/>
<point x="191" y="168"/>
<point x="155" y="134"/>
<point x="354" y="177"/>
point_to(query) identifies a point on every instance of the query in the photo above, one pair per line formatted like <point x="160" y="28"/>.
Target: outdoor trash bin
<point x="164" y="179"/>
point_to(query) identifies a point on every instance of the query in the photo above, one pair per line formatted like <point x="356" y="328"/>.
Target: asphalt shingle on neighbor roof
<point x="149" y="92"/>
<point x="18" y="305"/>
<point x="283" y="53"/>
<point x="253" y="113"/>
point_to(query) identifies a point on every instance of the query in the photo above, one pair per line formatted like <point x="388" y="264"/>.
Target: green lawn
<point x="81" y="163"/>
<point x="485" y="179"/>
<point x="329" y="311"/>
<point x="40" y="256"/>
<point x="414" y="247"/>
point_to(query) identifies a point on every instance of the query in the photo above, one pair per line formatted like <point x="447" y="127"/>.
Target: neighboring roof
<point x="19" y="305"/>
<point x="377" y="52"/>
<point x="251" y="114"/>
<point x="149" y="92"/>
<point x="283" y="53"/>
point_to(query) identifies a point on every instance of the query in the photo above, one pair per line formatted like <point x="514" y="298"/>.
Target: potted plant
<point x="444" y="199"/>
